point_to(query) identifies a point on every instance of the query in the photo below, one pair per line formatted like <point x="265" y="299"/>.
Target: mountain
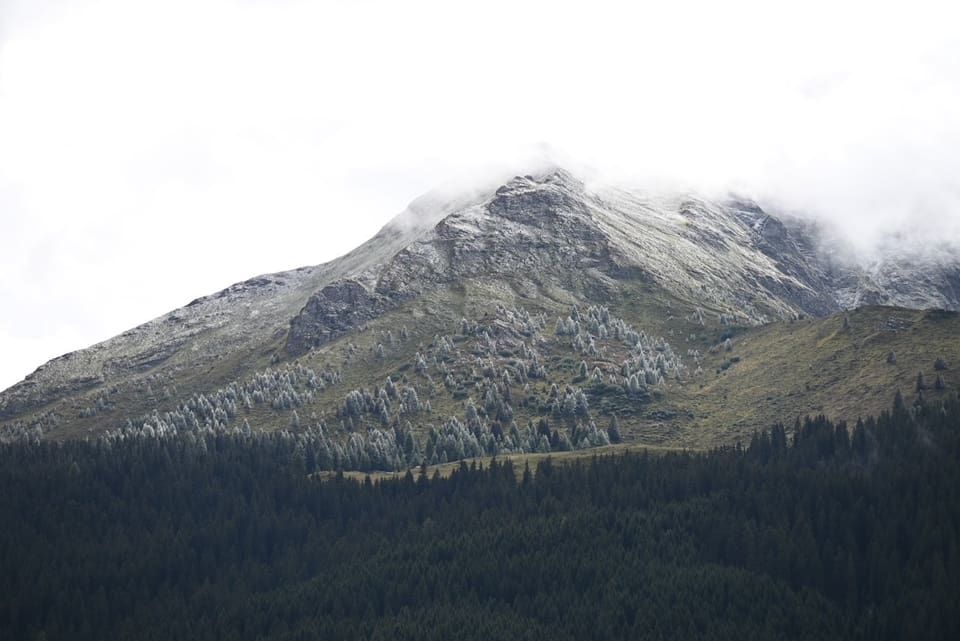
<point x="545" y="306"/>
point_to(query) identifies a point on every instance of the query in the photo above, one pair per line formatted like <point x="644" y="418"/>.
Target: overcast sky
<point x="152" y="152"/>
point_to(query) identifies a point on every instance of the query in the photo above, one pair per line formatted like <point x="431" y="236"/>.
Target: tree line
<point x="811" y="531"/>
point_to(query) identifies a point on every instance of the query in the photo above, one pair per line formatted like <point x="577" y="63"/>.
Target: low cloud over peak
<point x="152" y="153"/>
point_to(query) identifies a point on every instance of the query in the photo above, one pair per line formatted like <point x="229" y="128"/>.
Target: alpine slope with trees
<point x="541" y="314"/>
<point x="537" y="409"/>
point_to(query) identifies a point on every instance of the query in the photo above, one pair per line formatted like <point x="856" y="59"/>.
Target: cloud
<point x="152" y="152"/>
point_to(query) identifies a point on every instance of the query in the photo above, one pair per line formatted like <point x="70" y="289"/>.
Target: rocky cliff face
<point x="554" y="232"/>
<point x="333" y="312"/>
<point x="545" y="236"/>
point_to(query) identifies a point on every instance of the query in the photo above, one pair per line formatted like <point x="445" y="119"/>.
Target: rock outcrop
<point x="548" y="234"/>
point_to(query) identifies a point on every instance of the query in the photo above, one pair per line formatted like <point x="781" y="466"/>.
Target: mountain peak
<point x="541" y="243"/>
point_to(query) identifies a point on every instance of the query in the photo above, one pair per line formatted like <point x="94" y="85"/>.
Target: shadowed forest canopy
<point x="812" y="532"/>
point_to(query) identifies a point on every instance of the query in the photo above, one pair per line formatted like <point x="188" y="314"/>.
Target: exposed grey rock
<point x="548" y="234"/>
<point x="332" y="312"/>
<point x="553" y="232"/>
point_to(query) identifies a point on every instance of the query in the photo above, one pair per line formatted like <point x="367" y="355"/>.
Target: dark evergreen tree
<point x="215" y="534"/>
<point x="898" y="402"/>
<point x="614" y="430"/>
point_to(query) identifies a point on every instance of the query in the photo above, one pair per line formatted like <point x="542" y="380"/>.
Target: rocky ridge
<point x="548" y="236"/>
<point x="553" y="232"/>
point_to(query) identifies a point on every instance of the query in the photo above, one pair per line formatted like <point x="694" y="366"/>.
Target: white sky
<point x="155" y="151"/>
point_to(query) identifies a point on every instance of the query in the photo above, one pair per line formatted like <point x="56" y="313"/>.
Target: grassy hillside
<point x="836" y="366"/>
<point x="704" y="380"/>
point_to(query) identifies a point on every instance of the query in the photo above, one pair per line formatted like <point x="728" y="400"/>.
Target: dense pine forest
<point x="813" y="531"/>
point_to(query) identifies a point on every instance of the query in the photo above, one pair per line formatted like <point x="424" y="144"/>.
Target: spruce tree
<point x="614" y="430"/>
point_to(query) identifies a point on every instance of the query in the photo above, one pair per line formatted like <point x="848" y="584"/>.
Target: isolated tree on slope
<point x="614" y="430"/>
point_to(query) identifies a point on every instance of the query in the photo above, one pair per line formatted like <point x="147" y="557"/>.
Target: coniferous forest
<point x="815" y="531"/>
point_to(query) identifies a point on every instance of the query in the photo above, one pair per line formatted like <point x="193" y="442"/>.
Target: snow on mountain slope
<point x="552" y="232"/>
<point x="549" y="234"/>
<point x="239" y="319"/>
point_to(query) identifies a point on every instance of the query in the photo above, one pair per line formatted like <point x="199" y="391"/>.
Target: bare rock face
<point x="793" y="249"/>
<point x="332" y="312"/>
<point x="543" y="235"/>
<point x="552" y="231"/>
<point x="531" y="229"/>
